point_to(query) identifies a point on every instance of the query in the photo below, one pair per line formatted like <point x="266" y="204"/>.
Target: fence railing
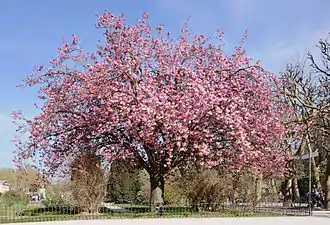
<point x="38" y="212"/>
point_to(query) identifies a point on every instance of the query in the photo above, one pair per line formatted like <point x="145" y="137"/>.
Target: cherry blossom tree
<point x="155" y="101"/>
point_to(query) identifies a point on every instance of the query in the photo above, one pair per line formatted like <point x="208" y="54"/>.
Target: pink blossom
<point x="164" y="97"/>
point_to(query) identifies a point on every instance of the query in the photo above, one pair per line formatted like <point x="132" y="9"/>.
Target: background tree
<point x="8" y="175"/>
<point x="322" y="122"/>
<point x="299" y="91"/>
<point x="58" y="194"/>
<point x="125" y="185"/>
<point x="88" y="181"/>
<point x="27" y="179"/>
<point x="14" y="198"/>
<point x="307" y="90"/>
<point x="197" y="186"/>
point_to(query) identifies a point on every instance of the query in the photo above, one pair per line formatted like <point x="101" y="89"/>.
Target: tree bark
<point x="273" y="190"/>
<point x="157" y="184"/>
<point x="316" y="170"/>
<point x="295" y="186"/>
<point x="235" y="187"/>
<point x="287" y="192"/>
<point x="327" y="190"/>
<point x="258" y="189"/>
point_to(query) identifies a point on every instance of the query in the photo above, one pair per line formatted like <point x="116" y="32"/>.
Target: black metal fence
<point x="38" y="212"/>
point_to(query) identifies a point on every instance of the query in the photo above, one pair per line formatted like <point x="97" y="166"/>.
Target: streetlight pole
<point x="310" y="181"/>
<point x="309" y="156"/>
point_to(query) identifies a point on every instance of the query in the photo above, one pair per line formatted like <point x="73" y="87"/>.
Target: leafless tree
<point x="88" y="182"/>
<point x="306" y="88"/>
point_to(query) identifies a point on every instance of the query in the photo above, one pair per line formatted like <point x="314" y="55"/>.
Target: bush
<point x="197" y="186"/>
<point x="88" y="181"/>
<point x="126" y="184"/>
<point x="13" y="197"/>
<point x="53" y="202"/>
<point x="56" y="195"/>
<point x="173" y="194"/>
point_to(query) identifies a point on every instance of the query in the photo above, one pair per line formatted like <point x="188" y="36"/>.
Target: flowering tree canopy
<point x="158" y="101"/>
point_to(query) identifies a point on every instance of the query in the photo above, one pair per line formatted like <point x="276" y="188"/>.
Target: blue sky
<point x="30" y="32"/>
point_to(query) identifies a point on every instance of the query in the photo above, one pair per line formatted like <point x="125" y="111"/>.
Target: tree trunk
<point x="287" y="193"/>
<point x="274" y="189"/>
<point x="273" y="186"/>
<point x="157" y="184"/>
<point x="258" y="189"/>
<point x="316" y="170"/>
<point x="235" y="191"/>
<point x="327" y="190"/>
<point x="295" y="186"/>
<point x="274" y="197"/>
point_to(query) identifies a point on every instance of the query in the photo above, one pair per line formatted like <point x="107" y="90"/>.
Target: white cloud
<point x="275" y="54"/>
<point x="279" y="31"/>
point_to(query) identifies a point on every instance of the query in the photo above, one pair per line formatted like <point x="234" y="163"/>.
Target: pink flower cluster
<point x="157" y="100"/>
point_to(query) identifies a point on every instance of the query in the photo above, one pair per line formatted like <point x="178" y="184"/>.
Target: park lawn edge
<point x="225" y="214"/>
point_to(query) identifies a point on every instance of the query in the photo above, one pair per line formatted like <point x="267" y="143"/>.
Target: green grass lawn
<point x="44" y="218"/>
<point x="5" y="212"/>
<point x="13" y="215"/>
<point x="39" y="213"/>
